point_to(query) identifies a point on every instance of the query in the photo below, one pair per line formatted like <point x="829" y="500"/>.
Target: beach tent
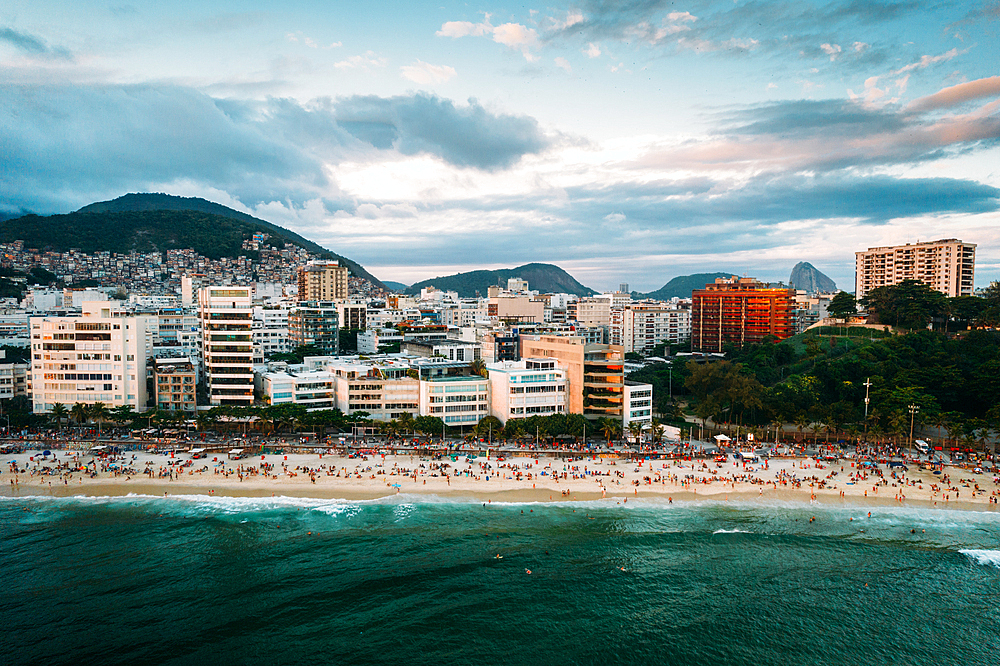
<point x="721" y="438"/>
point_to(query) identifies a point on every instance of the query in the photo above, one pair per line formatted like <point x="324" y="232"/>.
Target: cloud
<point x="426" y="74"/>
<point x="926" y="61"/>
<point x="564" y="64"/>
<point x="468" y="136"/>
<point x="593" y="50"/>
<point x="512" y="35"/>
<point x="832" y="50"/>
<point x="958" y="94"/>
<point x="365" y="62"/>
<point x="65" y="146"/>
<point x="614" y="217"/>
<point x="32" y="44"/>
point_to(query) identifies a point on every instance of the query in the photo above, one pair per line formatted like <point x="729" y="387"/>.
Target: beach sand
<point x="515" y="479"/>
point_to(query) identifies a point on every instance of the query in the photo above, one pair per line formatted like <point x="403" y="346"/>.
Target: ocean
<point x="417" y="580"/>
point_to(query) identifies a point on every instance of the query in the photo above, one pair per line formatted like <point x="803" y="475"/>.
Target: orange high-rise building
<point x="738" y="311"/>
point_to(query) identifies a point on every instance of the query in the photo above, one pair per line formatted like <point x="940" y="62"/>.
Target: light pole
<point x="670" y="370"/>
<point x="867" y="385"/>
<point x="913" y="411"/>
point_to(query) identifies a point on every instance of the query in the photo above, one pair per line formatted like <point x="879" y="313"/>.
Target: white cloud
<point x="365" y="62"/>
<point x="832" y="50"/>
<point x="615" y="217"/>
<point x="682" y="17"/>
<point x="859" y="46"/>
<point x="562" y="62"/>
<point x="573" y="17"/>
<point x="771" y="86"/>
<point x="457" y="29"/>
<point x="593" y="50"/>
<point x="512" y="35"/>
<point x="426" y="73"/>
<point x="926" y="61"/>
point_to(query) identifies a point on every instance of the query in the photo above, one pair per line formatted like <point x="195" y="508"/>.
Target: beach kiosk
<point x="236" y="454"/>
<point x="197" y="453"/>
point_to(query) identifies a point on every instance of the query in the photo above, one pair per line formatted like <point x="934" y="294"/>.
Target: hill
<point x="807" y="277"/>
<point x="682" y="286"/>
<point x="150" y="222"/>
<point x="545" y="278"/>
<point x="395" y="286"/>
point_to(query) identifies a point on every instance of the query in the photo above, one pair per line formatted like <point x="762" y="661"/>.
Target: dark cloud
<point x="31" y="44"/>
<point x="468" y="136"/>
<point x="832" y="117"/>
<point x="64" y="145"/>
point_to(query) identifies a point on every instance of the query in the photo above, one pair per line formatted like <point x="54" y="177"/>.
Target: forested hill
<point x="156" y="222"/>
<point x="682" y="286"/>
<point x="544" y="278"/>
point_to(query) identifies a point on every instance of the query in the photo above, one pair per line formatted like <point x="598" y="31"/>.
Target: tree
<point x="79" y="412"/>
<point x="635" y="429"/>
<point x="59" y="412"/>
<point x="842" y="305"/>
<point x="488" y="425"/>
<point x="100" y="413"/>
<point x="123" y="414"/>
<point x="909" y="304"/>
<point x="478" y="367"/>
<point x="610" y="428"/>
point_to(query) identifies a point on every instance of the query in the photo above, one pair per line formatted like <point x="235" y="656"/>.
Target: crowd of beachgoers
<point x="359" y="468"/>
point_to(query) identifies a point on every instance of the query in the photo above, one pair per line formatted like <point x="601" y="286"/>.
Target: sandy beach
<point x="513" y="479"/>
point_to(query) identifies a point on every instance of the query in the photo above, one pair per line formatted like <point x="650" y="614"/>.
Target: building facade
<point x="739" y="311"/>
<point x="322" y="280"/>
<point x="529" y="387"/>
<point x="315" y="324"/>
<point x="95" y="357"/>
<point x="175" y="381"/>
<point x="227" y="343"/>
<point x="948" y="266"/>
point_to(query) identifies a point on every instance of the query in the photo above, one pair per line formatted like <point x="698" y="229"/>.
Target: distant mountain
<point x="149" y="222"/>
<point x="545" y="278"/>
<point x="682" y="286"/>
<point x="807" y="277"/>
<point x="395" y="286"/>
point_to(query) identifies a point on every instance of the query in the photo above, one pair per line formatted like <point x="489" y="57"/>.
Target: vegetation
<point x="298" y="355"/>
<point x="682" y="286"/>
<point x="842" y="305"/>
<point x="542" y="277"/>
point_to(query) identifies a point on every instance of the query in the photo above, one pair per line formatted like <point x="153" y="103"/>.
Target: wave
<point x="735" y="531"/>
<point x="984" y="557"/>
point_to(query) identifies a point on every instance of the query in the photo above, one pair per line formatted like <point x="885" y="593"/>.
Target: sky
<point x="624" y="142"/>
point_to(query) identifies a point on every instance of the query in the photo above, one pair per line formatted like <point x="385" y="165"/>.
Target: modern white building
<point x="227" y="343"/>
<point x="531" y="386"/>
<point x="94" y="357"/>
<point x="638" y="404"/>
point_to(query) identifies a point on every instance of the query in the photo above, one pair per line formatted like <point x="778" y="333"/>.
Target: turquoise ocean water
<point x="416" y="581"/>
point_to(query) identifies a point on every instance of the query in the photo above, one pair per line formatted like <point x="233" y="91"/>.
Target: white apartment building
<point x="458" y="401"/>
<point x="948" y="266"/>
<point x="638" y="404"/>
<point x="227" y="343"/>
<point x="94" y="357"/>
<point x="531" y="386"/>
<point x="270" y="333"/>
<point x="594" y="311"/>
<point x="642" y="326"/>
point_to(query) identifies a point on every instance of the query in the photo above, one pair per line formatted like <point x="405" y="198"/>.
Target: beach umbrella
<point x="46" y="452"/>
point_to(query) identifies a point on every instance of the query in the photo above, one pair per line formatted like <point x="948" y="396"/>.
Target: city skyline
<point x="620" y="143"/>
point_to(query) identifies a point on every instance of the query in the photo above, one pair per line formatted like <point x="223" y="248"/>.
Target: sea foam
<point x="983" y="557"/>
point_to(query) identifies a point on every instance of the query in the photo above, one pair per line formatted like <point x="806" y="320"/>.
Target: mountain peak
<point x="545" y="278"/>
<point x="807" y="277"/>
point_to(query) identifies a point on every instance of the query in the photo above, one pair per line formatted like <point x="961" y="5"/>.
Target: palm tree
<point x="59" y="412"/>
<point x="100" y="413"/>
<point x="80" y="413"/>
<point x="610" y="428"/>
<point x="478" y="367"/>
<point x="635" y="429"/>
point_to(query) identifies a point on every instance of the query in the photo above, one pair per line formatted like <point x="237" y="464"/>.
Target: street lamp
<point x="913" y="411"/>
<point x="867" y="385"/>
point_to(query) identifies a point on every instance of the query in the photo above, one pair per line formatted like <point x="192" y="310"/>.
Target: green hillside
<point x="545" y="278"/>
<point x="682" y="286"/>
<point x="151" y="222"/>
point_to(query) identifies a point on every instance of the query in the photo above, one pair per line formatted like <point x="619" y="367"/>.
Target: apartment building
<point x="641" y="326"/>
<point x="316" y="324"/>
<point x="596" y="372"/>
<point x="175" y="381"/>
<point x="226" y="315"/>
<point x="529" y="387"/>
<point x="458" y="400"/>
<point x="95" y="357"/>
<point x="737" y="311"/>
<point x="947" y="265"/>
<point x="322" y="280"/>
